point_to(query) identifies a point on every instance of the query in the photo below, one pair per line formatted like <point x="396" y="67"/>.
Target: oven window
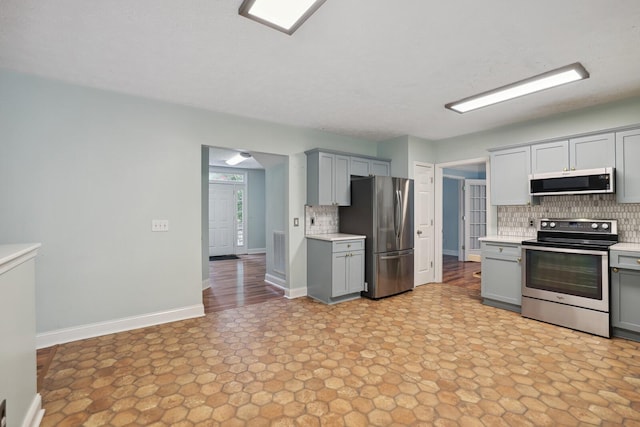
<point x="566" y="273"/>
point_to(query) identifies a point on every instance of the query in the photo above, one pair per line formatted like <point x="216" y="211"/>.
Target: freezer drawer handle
<point x="390" y="257"/>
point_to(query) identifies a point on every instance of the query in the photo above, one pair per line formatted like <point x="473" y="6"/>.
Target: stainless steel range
<point x="565" y="274"/>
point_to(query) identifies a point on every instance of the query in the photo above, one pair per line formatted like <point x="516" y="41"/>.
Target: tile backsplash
<point x="514" y="220"/>
<point x="325" y="219"/>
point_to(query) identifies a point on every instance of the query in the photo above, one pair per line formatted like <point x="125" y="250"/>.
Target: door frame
<point x="415" y="216"/>
<point x="491" y="210"/>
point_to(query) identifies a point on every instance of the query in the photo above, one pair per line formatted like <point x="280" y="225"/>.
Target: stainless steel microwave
<point x="585" y="181"/>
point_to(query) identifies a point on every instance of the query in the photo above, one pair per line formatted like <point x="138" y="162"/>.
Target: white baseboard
<point x="34" y="415"/>
<point x="206" y="284"/>
<point x="276" y="281"/>
<point x="61" y="336"/>
<point x="282" y="284"/>
<point x="296" y="293"/>
<point x="256" y="251"/>
<point x="452" y="252"/>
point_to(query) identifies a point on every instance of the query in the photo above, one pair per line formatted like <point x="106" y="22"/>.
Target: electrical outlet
<point x="530" y="222"/>
<point x="313" y="221"/>
<point x="159" y="225"/>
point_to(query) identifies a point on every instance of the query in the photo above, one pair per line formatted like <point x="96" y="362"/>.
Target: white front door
<point x="475" y="215"/>
<point x="222" y="224"/>
<point x="424" y="245"/>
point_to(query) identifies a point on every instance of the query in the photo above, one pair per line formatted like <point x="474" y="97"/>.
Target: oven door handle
<point x="564" y="250"/>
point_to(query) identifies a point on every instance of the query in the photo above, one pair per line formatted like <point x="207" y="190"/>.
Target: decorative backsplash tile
<point x="514" y="220"/>
<point x="325" y="219"/>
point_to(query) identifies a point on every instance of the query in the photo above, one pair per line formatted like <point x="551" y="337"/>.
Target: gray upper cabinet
<point x="361" y="166"/>
<point x="510" y="169"/>
<point x="380" y="168"/>
<point x="627" y="170"/>
<point x="588" y="152"/>
<point x="594" y="151"/>
<point x="328" y="179"/>
<point x="550" y="156"/>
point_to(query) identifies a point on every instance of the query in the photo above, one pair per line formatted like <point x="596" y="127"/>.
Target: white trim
<point x="282" y="284"/>
<point x="256" y="251"/>
<point x="276" y="281"/>
<point x="61" y="336"/>
<point x="451" y="252"/>
<point x="20" y="255"/>
<point x="34" y="414"/>
<point x="491" y="211"/>
<point x="206" y="283"/>
<point x="295" y="293"/>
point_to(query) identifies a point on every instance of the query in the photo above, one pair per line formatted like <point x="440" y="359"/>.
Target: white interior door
<point x="475" y="215"/>
<point x="424" y="238"/>
<point x="222" y="224"/>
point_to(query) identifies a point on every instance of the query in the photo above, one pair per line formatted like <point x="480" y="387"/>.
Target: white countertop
<point x="15" y="254"/>
<point x="631" y="247"/>
<point x="332" y="237"/>
<point x="505" y="239"/>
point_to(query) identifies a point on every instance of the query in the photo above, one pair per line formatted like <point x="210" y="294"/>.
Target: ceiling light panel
<point x="547" y="80"/>
<point x="283" y="15"/>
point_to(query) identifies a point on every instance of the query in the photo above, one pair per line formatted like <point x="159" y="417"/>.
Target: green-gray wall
<point x="84" y="171"/>
<point x="256" y="210"/>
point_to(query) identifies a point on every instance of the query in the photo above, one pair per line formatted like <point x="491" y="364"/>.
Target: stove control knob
<point x="544" y="224"/>
<point x="594" y="225"/>
<point x="552" y="224"/>
<point x="605" y="226"/>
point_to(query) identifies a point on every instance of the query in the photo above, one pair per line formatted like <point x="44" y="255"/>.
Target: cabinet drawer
<point x="501" y="249"/>
<point x="624" y="259"/>
<point x="348" y="245"/>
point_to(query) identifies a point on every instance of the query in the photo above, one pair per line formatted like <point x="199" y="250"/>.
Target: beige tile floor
<point x="434" y="356"/>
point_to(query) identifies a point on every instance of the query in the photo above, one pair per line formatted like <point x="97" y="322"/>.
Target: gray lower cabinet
<point x="625" y="294"/>
<point x="501" y="275"/>
<point x="335" y="270"/>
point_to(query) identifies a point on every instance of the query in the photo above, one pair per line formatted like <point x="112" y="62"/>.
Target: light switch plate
<point x="296" y="222"/>
<point x="159" y="225"/>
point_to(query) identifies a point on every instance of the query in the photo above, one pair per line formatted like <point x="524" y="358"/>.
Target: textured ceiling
<point x="373" y="69"/>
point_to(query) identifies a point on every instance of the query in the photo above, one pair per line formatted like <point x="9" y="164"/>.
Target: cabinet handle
<point x="519" y="259"/>
<point x="564" y="169"/>
<point x="349" y="245"/>
<point x="500" y="249"/>
<point x="638" y="261"/>
<point x="573" y="168"/>
<point x="615" y="270"/>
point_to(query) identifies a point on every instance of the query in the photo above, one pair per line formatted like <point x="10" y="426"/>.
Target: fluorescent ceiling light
<point x="240" y="157"/>
<point x="560" y="76"/>
<point x="283" y="15"/>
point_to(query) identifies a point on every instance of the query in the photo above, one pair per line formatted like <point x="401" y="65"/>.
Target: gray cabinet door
<point x="501" y="279"/>
<point x="342" y="181"/>
<point x="380" y="168"/>
<point x="550" y="157"/>
<point x="355" y="272"/>
<point x="510" y="171"/>
<point x="360" y="166"/>
<point x="627" y="170"/>
<point x="595" y="151"/>
<point x="339" y="274"/>
<point x="326" y="179"/>
<point x="625" y="299"/>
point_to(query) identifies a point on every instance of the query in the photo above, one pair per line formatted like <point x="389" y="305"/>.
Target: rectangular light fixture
<point x="283" y="15"/>
<point x="557" y="77"/>
<point x="240" y="157"/>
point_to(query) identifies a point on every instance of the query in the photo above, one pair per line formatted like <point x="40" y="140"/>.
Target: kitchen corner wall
<point x="514" y="220"/>
<point x="326" y="219"/>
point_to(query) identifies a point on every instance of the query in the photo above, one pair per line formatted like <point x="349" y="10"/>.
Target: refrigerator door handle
<point x="397" y="212"/>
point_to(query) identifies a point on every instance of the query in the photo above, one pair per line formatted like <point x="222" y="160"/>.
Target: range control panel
<point x="599" y="226"/>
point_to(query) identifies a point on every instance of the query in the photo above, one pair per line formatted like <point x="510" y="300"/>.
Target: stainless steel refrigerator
<point x="382" y="210"/>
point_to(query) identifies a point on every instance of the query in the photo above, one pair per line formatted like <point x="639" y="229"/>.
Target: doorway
<point x="459" y="185"/>
<point x="226" y="213"/>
